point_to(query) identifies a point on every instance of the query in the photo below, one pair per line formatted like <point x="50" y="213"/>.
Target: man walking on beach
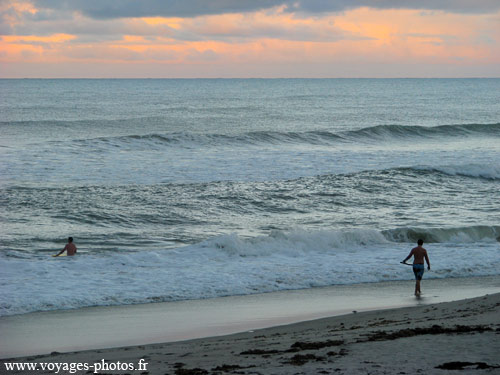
<point x="419" y="254"/>
<point x="70" y="248"/>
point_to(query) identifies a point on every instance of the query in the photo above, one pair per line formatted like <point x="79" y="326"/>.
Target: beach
<point x="430" y="339"/>
<point x="412" y="339"/>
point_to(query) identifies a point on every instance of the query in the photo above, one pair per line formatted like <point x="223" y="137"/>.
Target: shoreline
<point x="119" y="326"/>
<point x="418" y="339"/>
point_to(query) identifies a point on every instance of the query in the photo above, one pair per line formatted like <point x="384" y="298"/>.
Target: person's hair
<point x="420" y="242"/>
<point x="70" y="239"/>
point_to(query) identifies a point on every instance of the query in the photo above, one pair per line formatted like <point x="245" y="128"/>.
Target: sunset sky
<point x="249" y="38"/>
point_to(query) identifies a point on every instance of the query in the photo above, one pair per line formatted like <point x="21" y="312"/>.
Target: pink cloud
<point x="263" y="41"/>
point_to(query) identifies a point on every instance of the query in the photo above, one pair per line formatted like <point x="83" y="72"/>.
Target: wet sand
<point x="418" y="338"/>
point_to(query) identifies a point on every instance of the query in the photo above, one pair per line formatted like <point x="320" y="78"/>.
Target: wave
<point x="233" y="265"/>
<point x="101" y="122"/>
<point x="380" y="133"/>
<point x="473" y="234"/>
<point x="294" y="243"/>
<point x="489" y="172"/>
<point x="299" y="242"/>
<point x="479" y="171"/>
<point x="191" y="140"/>
<point x="400" y="131"/>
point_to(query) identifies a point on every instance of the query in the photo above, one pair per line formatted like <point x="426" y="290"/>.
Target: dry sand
<point x="461" y="337"/>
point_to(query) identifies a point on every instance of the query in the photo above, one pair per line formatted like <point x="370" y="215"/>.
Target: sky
<point x="249" y="38"/>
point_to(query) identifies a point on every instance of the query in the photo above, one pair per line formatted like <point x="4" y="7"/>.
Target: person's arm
<point x="408" y="257"/>
<point x="427" y="260"/>
<point x="62" y="251"/>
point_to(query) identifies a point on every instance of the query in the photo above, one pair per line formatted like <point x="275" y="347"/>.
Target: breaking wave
<point x="295" y="243"/>
<point x="232" y="265"/>
<point x="480" y="233"/>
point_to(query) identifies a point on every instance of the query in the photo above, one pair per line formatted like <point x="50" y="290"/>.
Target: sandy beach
<point x="439" y="338"/>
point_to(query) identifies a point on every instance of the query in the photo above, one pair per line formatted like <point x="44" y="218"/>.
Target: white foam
<point x="296" y="243"/>
<point x="473" y="234"/>
<point x="226" y="265"/>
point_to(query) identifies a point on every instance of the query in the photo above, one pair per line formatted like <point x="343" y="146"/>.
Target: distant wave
<point x="381" y="133"/>
<point x="400" y="131"/>
<point x="190" y="140"/>
<point x="479" y="171"/>
<point x="84" y="122"/>
<point x="489" y="172"/>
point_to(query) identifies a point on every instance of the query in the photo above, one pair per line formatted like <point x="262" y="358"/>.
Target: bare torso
<point x="70" y="248"/>
<point x="419" y="254"/>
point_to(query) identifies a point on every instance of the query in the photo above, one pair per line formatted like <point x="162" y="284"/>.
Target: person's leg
<point x="417" y="282"/>
<point x="420" y="276"/>
<point x="418" y="270"/>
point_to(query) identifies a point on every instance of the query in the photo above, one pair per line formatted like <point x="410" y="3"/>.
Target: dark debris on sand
<point x="316" y="345"/>
<point x="296" y="347"/>
<point x="301" y="359"/>
<point x="434" y="330"/>
<point x="342" y="352"/>
<point x="180" y="370"/>
<point x="259" y="352"/>
<point x="193" y="371"/>
<point x="465" y="366"/>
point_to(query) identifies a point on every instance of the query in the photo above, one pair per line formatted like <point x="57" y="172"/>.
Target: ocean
<point x="191" y="189"/>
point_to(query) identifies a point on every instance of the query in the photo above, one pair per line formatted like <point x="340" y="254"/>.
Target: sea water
<point x="191" y="189"/>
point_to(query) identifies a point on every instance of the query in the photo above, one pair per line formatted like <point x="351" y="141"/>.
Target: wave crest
<point x="480" y="233"/>
<point x="294" y="243"/>
<point x="380" y="133"/>
<point x="298" y="243"/>
<point x="489" y="172"/>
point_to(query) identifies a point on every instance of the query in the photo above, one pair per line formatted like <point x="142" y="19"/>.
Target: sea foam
<point x="234" y="265"/>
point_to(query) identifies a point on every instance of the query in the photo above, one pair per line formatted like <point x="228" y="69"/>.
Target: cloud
<point x="453" y="6"/>
<point x="283" y="33"/>
<point x="244" y="27"/>
<point x="106" y="9"/>
<point x="98" y="52"/>
<point x="150" y="8"/>
<point x="12" y="13"/>
<point x="111" y="52"/>
<point x="232" y="28"/>
<point x="77" y="24"/>
<point x="202" y="56"/>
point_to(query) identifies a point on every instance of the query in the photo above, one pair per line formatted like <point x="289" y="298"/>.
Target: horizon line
<point x="242" y="78"/>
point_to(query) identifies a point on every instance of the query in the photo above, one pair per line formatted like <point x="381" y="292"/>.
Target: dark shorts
<point x="418" y="270"/>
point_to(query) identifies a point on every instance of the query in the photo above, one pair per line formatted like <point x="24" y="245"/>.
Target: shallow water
<point x="189" y="189"/>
